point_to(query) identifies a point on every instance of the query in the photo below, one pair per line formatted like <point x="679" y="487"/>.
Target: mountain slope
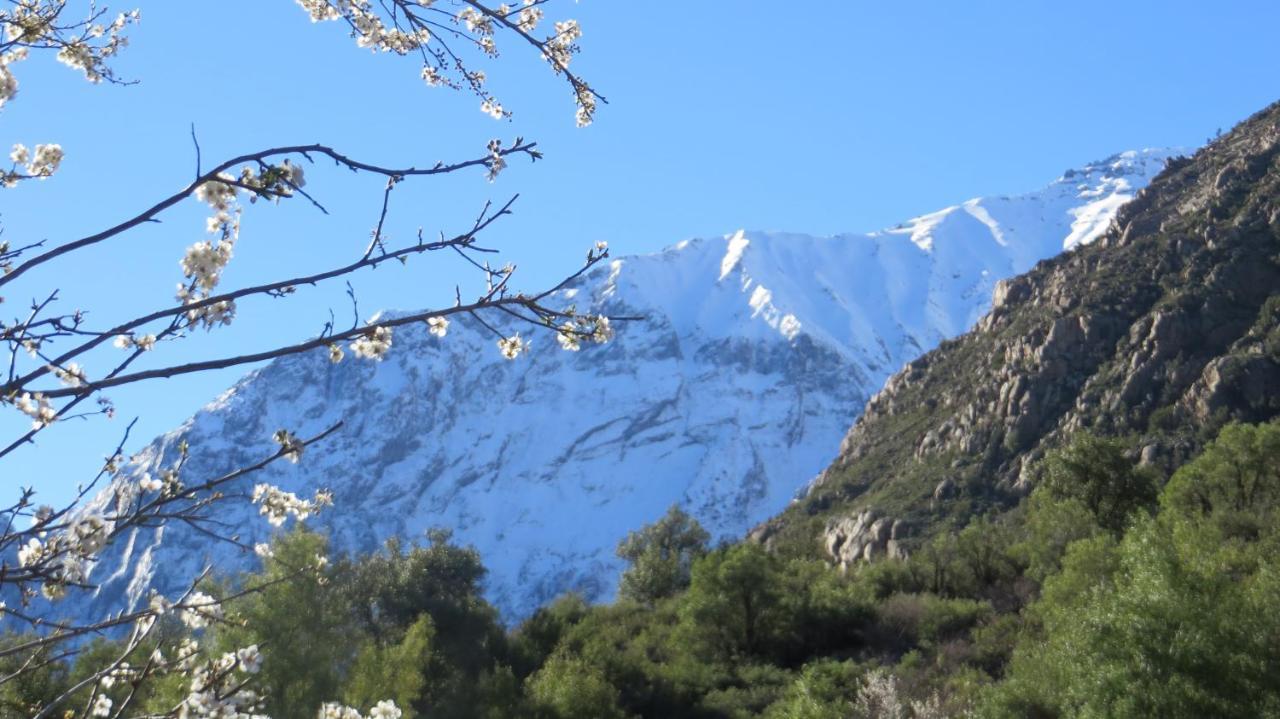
<point x="1159" y="333"/>
<point x="756" y="354"/>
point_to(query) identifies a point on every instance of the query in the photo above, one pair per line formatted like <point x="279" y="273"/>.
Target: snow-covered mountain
<point x="757" y="352"/>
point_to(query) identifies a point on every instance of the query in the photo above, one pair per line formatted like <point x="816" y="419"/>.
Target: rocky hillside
<point x="756" y="354"/>
<point x="1159" y="333"/>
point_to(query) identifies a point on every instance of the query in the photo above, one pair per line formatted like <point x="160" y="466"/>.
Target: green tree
<point x="1181" y="617"/>
<point x="661" y="557"/>
<point x="1096" y="472"/>
<point x="569" y="688"/>
<point x="299" y="624"/>
<point x="392" y="672"/>
<point x="388" y="592"/>
<point x="732" y="607"/>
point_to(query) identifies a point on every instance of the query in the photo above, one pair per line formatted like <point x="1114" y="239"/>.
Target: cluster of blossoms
<point x="218" y="687"/>
<point x="371" y="30"/>
<point x="72" y="375"/>
<point x="85" y="46"/>
<point x="204" y="261"/>
<point x="278" y="504"/>
<point x="595" y="329"/>
<point x="529" y="17"/>
<point x="198" y="611"/>
<point x="512" y="347"/>
<point x="37" y="407"/>
<point x="90" y="52"/>
<point x="367" y="27"/>
<point x="66" y="557"/>
<point x="373" y="345"/>
<point x="9" y="83"/>
<point x="27" y="164"/>
<point x="385" y="709"/>
<point x="146" y="343"/>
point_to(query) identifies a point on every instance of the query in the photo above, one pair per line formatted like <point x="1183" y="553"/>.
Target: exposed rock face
<point x="1163" y="330"/>
<point x="756" y="353"/>
<point x="863" y="536"/>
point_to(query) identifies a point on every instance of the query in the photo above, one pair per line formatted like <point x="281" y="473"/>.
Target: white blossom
<point x="512" y="347"/>
<point x="385" y="709"/>
<point x="373" y="345"/>
<point x="71" y="375"/>
<point x="199" y="610"/>
<point x="438" y="326"/>
<point x="150" y="484"/>
<point x="250" y="659"/>
<point x="102" y="706"/>
<point x="37" y="407"/>
<point x="568" y="337"/>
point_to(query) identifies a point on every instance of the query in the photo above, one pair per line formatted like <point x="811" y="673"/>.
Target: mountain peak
<point x="757" y="351"/>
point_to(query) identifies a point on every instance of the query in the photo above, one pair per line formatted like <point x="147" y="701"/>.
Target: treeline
<point x="1110" y="592"/>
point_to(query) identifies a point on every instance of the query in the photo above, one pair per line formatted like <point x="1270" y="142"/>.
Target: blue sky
<point x="804" y="116"/>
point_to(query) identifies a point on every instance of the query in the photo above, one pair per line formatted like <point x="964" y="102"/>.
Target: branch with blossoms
<point x="449" y="36"/>
<point x="61" y="363"/>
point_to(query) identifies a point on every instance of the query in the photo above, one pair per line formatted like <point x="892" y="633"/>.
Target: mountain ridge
<point x="1159" y="333"/>
<point x="757" y="351"/>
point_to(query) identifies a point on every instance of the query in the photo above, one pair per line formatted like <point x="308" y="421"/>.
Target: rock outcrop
<point x="1160" y="332"/>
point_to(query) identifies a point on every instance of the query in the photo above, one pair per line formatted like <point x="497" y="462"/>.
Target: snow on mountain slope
<point x="756" y="353"/>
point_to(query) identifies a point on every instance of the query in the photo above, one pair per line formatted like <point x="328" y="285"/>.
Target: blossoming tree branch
<point x="56" y="369"/>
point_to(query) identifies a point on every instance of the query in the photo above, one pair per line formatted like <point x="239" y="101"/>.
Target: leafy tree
<point x="392" y="672"/>
<point x="734" y="601"/>
<point x="298" y="623"/>
<point x="1096" y="472"/>
<point x="390" y="591"/>
<point x="825" y="689"/>
<point x="569" y="688"/>
<point x="539" y="635"/>
<point x="661" y="557"/>
<point x="1181" y="617"/>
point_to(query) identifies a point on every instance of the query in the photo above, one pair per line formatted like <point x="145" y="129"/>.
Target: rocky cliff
<point x="1161" y="331"/>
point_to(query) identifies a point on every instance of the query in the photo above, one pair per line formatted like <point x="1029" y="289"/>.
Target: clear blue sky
<point x="784" y="116"/>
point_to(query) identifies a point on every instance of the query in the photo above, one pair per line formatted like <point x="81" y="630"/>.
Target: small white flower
<point x="150" y="484"/>
<point x="512" y="347"/>
<point x="199" y="610"/>
<point x="568" y="337"/>
<point x="102" y="706"/>
<point x="438" y="326"/>
<point x="373" y="344"/>
<point x="250" y="659"/>
<point x="386" y="709"/>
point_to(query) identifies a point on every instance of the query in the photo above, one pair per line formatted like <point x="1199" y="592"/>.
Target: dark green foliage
<point x="24" y="695"/>
<point x="300" y="625"/>
<point x="735" y="600"/>
<point x="1180" y="617"/>
<point x="1044" y="611"/>
<point x="568" y="688"/>
<point x="388" y="592"/>
<point x="1096" y="473"/>
<point x="661" y="557"/>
